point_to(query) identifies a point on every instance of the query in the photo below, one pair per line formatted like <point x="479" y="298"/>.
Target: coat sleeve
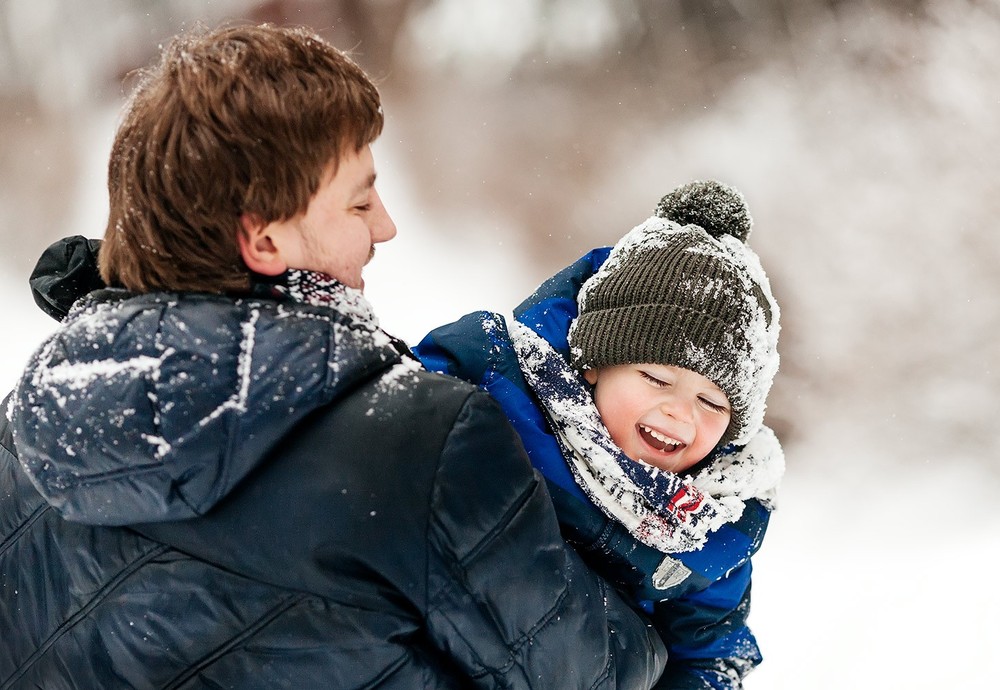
<point x="708" y="641"/>
<point x="507" y="600"/>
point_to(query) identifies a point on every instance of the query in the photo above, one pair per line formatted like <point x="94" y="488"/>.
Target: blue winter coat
<point x="698" y="600"/>
<point x="206" y="492"/>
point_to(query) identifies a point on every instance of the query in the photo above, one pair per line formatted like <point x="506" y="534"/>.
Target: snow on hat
<point x="684" y="289"/>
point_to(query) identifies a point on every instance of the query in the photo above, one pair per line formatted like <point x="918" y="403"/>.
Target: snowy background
<point x="865" y="137"/>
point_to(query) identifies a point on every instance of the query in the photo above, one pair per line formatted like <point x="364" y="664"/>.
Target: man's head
<point x="335" y="235"/>
<point x="231" y="130"/>
<point x="683" y="290"/>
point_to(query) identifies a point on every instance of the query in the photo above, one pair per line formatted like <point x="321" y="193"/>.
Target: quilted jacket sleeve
<point x="507" y="599"/>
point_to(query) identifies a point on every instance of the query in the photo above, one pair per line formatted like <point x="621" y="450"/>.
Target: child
<point x="637" y="379"/>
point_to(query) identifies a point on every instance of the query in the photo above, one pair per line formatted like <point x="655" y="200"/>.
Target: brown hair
<point x="238" y="120"/>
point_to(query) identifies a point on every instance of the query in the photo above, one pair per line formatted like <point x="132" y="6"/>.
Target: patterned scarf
<point x="660" y="509"/>
<point x="320" y="290"/>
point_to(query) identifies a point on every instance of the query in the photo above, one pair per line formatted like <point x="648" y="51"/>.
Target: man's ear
<point x="590" y="375"/>
<point x="257" y="248"/>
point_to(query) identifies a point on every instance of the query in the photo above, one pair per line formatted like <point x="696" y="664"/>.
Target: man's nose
<point x="383" y="228"/>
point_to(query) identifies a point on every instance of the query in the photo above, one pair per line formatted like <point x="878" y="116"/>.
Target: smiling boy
<point x="637" y="379"/>
<point x="665" y="416"/>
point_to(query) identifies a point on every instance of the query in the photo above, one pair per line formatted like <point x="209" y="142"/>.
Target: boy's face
<point x="665" y="416"/>
<point x="344" y="220"/>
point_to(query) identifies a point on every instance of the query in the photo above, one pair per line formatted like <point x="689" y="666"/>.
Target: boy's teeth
<point x="660" y="437"/>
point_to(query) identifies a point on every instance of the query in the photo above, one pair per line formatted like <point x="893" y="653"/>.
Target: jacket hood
<point x="153" y="407"/>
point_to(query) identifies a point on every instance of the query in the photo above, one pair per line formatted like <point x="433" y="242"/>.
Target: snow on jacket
<point x="198" y="491"/>
<point x="698" y="599"/>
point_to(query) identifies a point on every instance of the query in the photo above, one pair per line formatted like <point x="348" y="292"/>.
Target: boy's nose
<point x="678" y="409"/>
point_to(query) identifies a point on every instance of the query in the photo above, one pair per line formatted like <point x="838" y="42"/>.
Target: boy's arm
<point x="476" y="346"/>
<point x="709" y="644"/>
<point x="461" y="349"/>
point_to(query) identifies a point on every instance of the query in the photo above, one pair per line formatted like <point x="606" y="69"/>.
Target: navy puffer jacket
<point x="202" y="492"/>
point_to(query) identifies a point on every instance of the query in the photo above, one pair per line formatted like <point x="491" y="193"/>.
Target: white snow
<point x="872" y="579"/>
<point x="399" y="375"/>
<point x="78" y="376"/>
<point x="244" y="364"/>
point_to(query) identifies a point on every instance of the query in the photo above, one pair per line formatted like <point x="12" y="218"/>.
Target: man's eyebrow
<point x="365" y="184"/>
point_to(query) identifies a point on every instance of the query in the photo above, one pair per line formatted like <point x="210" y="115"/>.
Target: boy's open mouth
<point x="656" y="440"/>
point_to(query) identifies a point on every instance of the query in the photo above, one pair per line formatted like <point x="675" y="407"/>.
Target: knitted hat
<point x="684" y="289"/>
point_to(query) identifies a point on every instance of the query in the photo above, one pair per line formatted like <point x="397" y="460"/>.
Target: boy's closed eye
<point x="663" y="381"/>
<point x="712" y="405"/>
<point x="658" y="382"/>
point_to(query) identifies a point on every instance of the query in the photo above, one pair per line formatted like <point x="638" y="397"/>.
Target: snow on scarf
<point x="661" y="509"/>
<point x="320" y="290"/>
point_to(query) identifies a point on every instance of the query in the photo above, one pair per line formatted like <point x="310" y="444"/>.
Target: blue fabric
<point x="701" y="617"/>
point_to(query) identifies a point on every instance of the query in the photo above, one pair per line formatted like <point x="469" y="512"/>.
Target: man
<point x="220" y="472"/>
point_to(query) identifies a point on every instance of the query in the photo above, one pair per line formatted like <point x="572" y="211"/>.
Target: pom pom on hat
<point x="717" y="208"/>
